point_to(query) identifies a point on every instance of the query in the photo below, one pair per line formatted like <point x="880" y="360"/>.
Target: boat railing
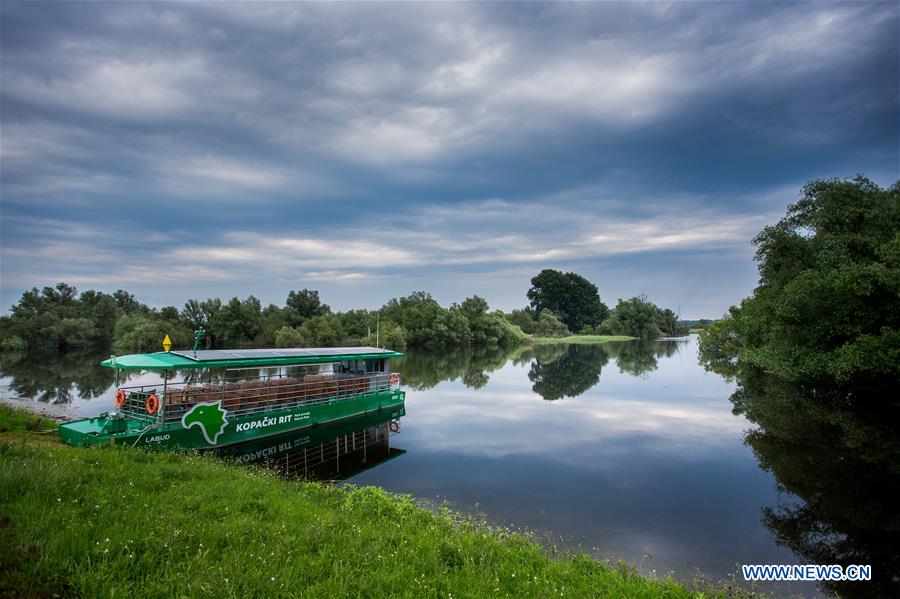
<point x="245" y="397"/>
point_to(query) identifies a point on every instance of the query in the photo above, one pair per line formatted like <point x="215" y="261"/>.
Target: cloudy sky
<point x="185" y="150"/>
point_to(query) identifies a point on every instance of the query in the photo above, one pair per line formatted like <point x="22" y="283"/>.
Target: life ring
<point x="152" y="404"/>
<point x="394" y="426"/>
<point x="394" y="378"/>
<point x="120" y="398"/>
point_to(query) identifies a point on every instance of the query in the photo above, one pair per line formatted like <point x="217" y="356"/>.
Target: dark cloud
<point x="377" y="148"/>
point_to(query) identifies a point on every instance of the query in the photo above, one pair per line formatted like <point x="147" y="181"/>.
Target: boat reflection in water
<point x="329" y="452"/>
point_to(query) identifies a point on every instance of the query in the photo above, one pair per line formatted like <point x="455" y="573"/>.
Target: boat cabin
<point x="252" y="380"/>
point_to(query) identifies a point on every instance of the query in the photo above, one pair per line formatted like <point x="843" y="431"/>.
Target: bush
<point x="548" y="325"/>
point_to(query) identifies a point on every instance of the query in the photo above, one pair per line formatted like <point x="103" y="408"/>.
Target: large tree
<point x="827" y="308"/>
<point x="569" y="296"/>
<point x="304" y="304"/>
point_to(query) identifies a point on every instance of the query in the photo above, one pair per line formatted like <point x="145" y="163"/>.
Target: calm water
<point x="628" y="451"/>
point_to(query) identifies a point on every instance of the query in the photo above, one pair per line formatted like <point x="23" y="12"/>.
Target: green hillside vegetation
<point x="120" y="522"/>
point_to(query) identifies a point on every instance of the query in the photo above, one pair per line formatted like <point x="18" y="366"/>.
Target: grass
<point x="581" y="339"/>
<point x="120" y="522"/>
<point x="13" y="420"/>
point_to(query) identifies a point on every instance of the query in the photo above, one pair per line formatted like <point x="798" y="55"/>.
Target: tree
<point x="635" y="317"/>
<point x="238" y="323"/>
<point x="525" y="319"/>
<point x="548" y="325"/>
<point x="389" y="335"/>
<point x="827" y="307"/>
<point x="322" y="331"/>
<point x="198" y="315"/>
<point x="569" y="296"/>
<point x="127" y="303"/>
<point x="304" y="304"/>
<point x="145" y="333"/>
<point x="288" y="337"/>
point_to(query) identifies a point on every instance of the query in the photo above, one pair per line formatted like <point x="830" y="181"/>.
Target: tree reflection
<point x="568" y="374"/>
<point x="559" y="371"/>
<point x="424" y="369"/>
<point x="58" y="378"/>
<point x="839" y="455"/>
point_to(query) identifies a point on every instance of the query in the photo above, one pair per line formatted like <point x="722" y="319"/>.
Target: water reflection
<point x="559" y="371"/>
<point x="329" y="452"/>
<point x="842" y="463"/>
<point x="556" y="370"/>
<point x="422" y="370"/>
<point x="56" y="379"/>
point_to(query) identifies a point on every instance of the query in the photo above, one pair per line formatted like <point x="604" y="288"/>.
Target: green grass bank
<point x="577" y="339"/>
<point x="119" y="522"/>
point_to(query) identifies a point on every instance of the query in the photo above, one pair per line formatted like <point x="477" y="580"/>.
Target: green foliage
<point x="145" y="333"/>
<point x="524" y="319"/>
<point x="304" y="304"/>
<point x="238" y="323"/>
<point x="127" y="304"/>
<point x="357" y="325"/>
<point x="488" y="330"/>
<point x="56" y="319"/>
<point x="288" y="337"/>
<point x="198" y="315"/>
<point x="827" y="307"/>
<point x="272" y="320"/>
<point x="639" y="317"/>
<point x="570" y="296"/>
<point x="16" y="420"/>
<point x="322" y="331"/>
<point x="390" y="335"/>
<point x="548" y="325"/>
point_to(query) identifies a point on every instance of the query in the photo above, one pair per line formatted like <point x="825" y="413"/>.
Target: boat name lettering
<point x="158" y="438"/>
<point x="267" y="421"/>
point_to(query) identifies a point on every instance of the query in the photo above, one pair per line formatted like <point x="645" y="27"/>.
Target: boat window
<point x="376" y="365"/>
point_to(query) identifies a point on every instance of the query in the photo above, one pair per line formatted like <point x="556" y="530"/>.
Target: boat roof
<point x="236" y="358"/>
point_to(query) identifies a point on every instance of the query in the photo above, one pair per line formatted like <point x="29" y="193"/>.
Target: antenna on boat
<point x="198" y="334"/>
<point x="378" y="330"/>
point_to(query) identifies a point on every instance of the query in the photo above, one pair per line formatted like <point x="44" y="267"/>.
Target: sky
<point x="192" y="150"/>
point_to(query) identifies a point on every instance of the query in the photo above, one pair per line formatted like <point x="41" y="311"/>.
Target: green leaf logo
<point x="210" y="417"/>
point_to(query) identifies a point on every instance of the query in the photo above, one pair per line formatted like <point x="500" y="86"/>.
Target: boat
<point x="292" y="389"/>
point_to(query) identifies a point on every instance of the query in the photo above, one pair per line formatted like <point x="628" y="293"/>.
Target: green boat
<point x="197" y="414"/>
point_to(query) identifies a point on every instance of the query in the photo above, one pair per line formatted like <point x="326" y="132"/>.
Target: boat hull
<point x="210" y="425"/>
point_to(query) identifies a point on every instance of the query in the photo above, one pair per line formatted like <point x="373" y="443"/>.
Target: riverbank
<point x="579" y="339"/>
<point x="114" y="521"/>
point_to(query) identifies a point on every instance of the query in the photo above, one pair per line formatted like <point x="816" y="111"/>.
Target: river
<point x="629" y="451"/>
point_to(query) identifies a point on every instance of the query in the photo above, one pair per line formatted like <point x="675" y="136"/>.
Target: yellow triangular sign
<point x="167" y="343"/>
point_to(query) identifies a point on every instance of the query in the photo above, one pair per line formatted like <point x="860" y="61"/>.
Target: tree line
<point x="827" y="307"/>
<point x="59" y="319"/>
<point x="563" y="304"/>
<point x="815" y="354"/>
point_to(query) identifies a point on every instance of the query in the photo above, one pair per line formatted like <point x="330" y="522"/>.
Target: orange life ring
<point x="394" y="378"/>
<point x="120" y="397"/>
<point x="152" y="404"/>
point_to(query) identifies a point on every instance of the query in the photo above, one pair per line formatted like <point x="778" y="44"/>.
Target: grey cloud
<point x="433" y="140"/>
